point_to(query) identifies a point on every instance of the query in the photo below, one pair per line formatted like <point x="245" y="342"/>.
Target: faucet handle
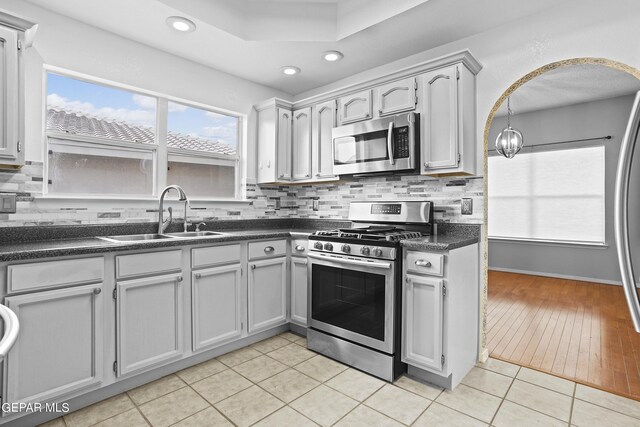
<point x="199" y="224"/>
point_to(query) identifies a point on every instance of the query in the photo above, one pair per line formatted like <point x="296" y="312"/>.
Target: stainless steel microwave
<point x="389" y="144"/>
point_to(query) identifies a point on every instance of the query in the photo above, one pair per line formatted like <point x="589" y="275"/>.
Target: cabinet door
<point x="9" y="93"/>
<point x="396" y="96"/>
<point x="149" y="322"/>
<point x="59" y="347"/>
<point x="301" y="144"/>
<point x="422" y="311"/>
<point x="440" y="119"/>
<point x="355" y="107"/>
<point x="216" y="305"/>
<point x="299" y="290"/>
<point x="267" y="293"/>
<point x="284" y="144"/>
<point x="324" y="120"/>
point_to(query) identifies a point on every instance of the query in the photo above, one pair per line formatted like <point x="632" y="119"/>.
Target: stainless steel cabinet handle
<point x="621" y="212"/>
<point x="11" y="330"/>
<point x="423" y="263"/>
<point x="179" y="278"/>
<point x="198" y="276"/>
<point x="253" y="267"/>
<point x="300" y="248"/>
<point x="269" y="249"/>
<point x="97" y="291"/>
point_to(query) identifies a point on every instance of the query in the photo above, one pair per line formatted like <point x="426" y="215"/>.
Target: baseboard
<point x="561" y="276"/>
<point x="484" y="356"/>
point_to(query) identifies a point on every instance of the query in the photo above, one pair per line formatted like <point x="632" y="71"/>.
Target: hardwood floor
<point x="577" y="330"/>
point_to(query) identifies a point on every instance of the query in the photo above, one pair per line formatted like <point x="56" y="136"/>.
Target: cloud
<point x="146" y="102"/>
<point x="136" y="117"/>
<point x="227" y="133"/>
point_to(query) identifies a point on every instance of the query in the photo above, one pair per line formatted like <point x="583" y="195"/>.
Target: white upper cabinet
<point x="396" y="97"/>
<point x="355" y="107"/>
<point x="301" y="144"/>
<point x="324" y="120"/>
<point x="284" y="144"/>
<point x="295" y="140"/>
<point x="274" y="141"/>
<point x="448" y="121"/>
<point x="16" y="34"/>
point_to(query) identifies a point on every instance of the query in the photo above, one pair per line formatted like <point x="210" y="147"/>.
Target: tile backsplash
<point x="266" y="201"/>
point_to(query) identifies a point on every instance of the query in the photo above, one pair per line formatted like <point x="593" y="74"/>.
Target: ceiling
<point x="253" y="39"/>
<point x="570" y="85"/>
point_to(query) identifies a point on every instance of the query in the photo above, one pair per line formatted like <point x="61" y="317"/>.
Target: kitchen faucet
<point x="182" y="196"/>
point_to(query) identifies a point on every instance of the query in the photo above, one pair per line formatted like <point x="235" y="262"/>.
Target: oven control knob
<point x="328" y="247"/>
<point x="365" y="250"/>
<point x="346" y="249"/>
<point x="317" y="245"/>
<point x="377" y="252"/>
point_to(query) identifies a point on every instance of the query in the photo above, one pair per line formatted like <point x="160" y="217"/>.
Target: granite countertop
<point x="56" y="243"/>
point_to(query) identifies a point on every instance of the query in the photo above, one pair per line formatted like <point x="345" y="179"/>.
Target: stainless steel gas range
<point x="355" y="287"/>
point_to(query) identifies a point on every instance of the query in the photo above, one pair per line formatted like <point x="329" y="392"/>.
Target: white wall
<point x="585" y="120"/>
<point x="66" y="43"/>
<point x="579" y="28"/>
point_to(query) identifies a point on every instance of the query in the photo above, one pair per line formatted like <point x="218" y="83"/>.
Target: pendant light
<point x="509" y="141"/>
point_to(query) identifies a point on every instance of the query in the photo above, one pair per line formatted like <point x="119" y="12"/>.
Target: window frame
<point x="160" y="151"/>
<point x="558" y="242"/>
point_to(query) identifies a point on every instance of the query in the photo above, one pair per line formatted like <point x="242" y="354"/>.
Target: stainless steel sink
<point x="135" y="237"/>
<point x="188" y="234"/>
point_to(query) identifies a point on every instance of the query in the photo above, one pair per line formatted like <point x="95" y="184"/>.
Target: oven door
<point x="353" y="298"/>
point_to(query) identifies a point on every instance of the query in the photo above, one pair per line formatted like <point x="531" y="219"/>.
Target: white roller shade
<point x="549" y="195"/>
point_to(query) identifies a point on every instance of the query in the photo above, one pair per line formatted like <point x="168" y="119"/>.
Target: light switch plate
<point x="7" y="203"/>
<point x="316" y="205"/>
<point x="467" y="206"/>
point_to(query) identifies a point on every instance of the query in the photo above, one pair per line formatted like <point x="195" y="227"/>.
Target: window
<point x="549" y="195"/>
<point x="202" y="148"/>
<point x="103" y="140"/>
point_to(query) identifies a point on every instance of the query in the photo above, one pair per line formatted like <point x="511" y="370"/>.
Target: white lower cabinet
<point x="422" y="327"/>
<point x="216" y="303"/>
<point x="59" y="348"/>
<point x="440" y="314"/>
<point x="149" y="322"/>
<point x="267" y="293"/>
<point x="299" y="283"/>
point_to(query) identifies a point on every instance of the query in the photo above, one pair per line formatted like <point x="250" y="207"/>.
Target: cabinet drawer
<point x="269" y="248"/>
<point x="299" y="247"/>
<point x="425" y="263"/>
<point x="147" y="264"/>
<point x="24" y="277"/>
<point x="215" y="255"/>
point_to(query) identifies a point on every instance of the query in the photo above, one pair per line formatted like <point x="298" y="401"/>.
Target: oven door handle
<point x="373" y="264"/>
<point x="392" y="161"/>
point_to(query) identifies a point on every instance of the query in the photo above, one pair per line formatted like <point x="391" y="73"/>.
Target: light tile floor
<point x="278" y="382"/>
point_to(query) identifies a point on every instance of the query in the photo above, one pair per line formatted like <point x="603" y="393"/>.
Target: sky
<point x="135" y="109"/>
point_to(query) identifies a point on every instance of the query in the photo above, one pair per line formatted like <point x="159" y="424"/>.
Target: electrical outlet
<point x="7" y="203"/>
<point x="278" y="204"/>
<point x="467" y="206"/>
<point x="316" y="205"/>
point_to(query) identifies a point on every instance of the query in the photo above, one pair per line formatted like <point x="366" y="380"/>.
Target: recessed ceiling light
<point x="332" y="55"/>
<point x="181" y="24"/>
<point x="290" y="70"/>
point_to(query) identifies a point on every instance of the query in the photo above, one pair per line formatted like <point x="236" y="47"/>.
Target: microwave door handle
<point x="392" y="161"/>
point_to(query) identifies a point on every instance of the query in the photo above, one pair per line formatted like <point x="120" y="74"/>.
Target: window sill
<point x="565" y="243"/>
<point x="142" y="200"/>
